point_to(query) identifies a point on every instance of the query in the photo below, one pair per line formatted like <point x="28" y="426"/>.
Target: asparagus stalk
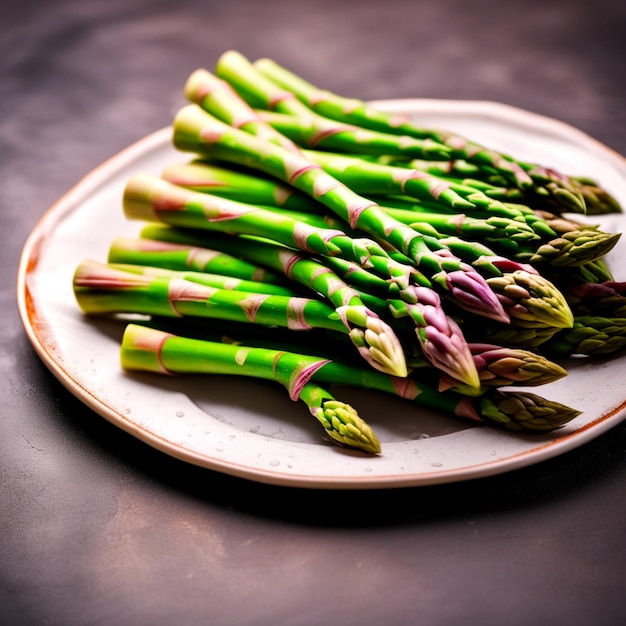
<point x="102" y="289"/>
<point x="150" y="198"/>
<point x="395" y="277"/>
<point x="528" y="176"/>
<point x="182" y="256"/>
<point x="441" y="340"/>
<point x="497" y="229"/>
<point x="483" y="177"/>
<point x="149" y="349"/>
<point x="200" y="176"/>
<point x="300" y="124"/>
<point x="577" y="244"/>
<point x="195" y="130"/>
<point x="218" y="98"/>
<point x="375" y="179"/>
<point x="497" y="366"/>
<point x="238" y="185"/>
<point x="320" y="133"/>
<point x="491" y="229"/>
<point x="598" y="201"/>
<point x="217" y="281"/>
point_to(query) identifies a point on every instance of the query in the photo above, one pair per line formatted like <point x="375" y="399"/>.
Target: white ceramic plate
<point x="251" y="429"/>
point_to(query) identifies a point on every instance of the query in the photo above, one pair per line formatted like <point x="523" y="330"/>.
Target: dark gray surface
<point x="97" y="528"/>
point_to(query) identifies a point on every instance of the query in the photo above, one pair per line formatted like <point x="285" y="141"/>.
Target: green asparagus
<point x="542" y="181"/>
<point x="102" y="289"/>
<point x="197" y="131"/>
<point x="149" y="349"/>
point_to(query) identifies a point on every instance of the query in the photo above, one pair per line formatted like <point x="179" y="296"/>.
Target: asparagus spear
<point x="501" y="366"/>
<point x="202" y="176"/>
<point x="565" y="243"/>
<point x="531" y="300"/>
<point x="300" y="124"/>
<point x="497" y="366"/>
<point x="591" y="335"/>
<point x="491" y="229"/>
<point x="371" y="179"/>
<point x="441" y="340"/>
<point x="578" y="243"/>
<point x="182" y="256"/>
<point x="238" y="185"/>
<point x="528" y="176"/>
<point x="498" y="229"/>
<point x="150" y="198"/>
<point x="316" y="132"/>
<point x="102" y="289"/>
<point x="598" y="200"/>
<point x="153" y="350"/>
<point x="579" y="247"/>
<point x="218" y="281"/>
<point x="606" y="299"/>
<point x="195" y="130"/>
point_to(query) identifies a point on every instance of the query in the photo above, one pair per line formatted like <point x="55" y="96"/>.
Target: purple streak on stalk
<point x="324" y="184"/>
<point x="153" y="342"/>
<point x="200" y="258"/>
<point x="302" y="377"/>
<point x="295" y="315"/>
<point x="356" y="210"/>
<point x="211" y="134"/>
<point x="278" y="97"/>
<point x="96" y="275"/>
<point x="293" y="173"/>
<point x="251" y="305"/>
<point x="302" y="232"/>
<point x="328" y="129"/>
<point x="180" y="290"/>
<point x="405" y="388"/>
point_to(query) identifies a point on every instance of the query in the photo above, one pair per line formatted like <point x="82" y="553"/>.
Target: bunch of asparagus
<point x="314" y="241"/>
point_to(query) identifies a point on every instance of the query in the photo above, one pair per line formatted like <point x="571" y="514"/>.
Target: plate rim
<point x="70" y="200"/>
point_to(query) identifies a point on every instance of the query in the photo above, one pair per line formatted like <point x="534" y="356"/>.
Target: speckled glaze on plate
<point x="251" y="429"/>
